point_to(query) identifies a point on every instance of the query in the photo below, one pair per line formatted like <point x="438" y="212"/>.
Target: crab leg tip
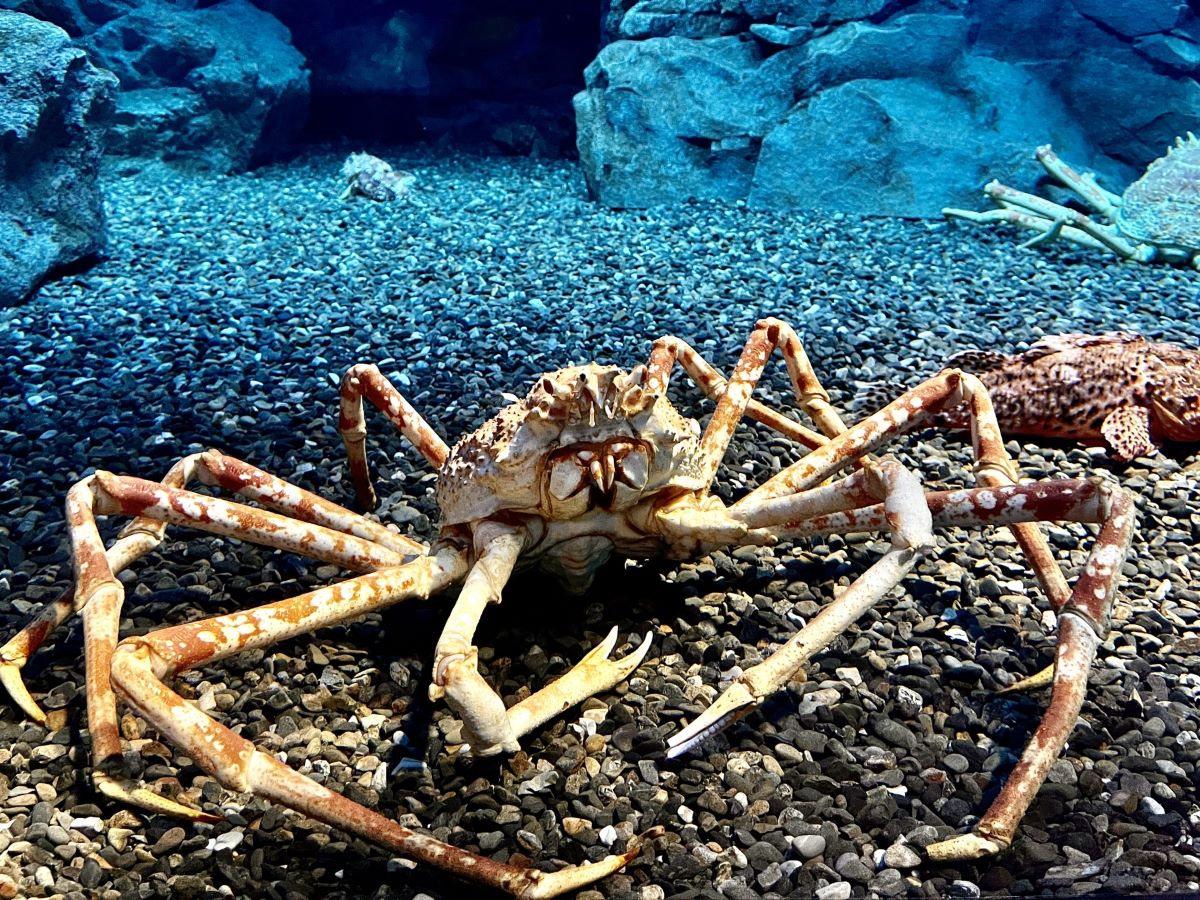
<point x="146" y="799"/>
<point x="605" y="647"/>
<point x="1038" y="680"/>
<point x="554" y="884"/>
<point x="643" y="649"/>
<point x="963" y="846"/>
<point x="732" y="705"/>
<point x="10" y="677"/>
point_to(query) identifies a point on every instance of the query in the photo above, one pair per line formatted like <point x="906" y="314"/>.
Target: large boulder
<point x="1133" y="19"/>
<point x="673" y="120"/>
<point x="878" y="106"/>
<point x="475" y="72"/>
<point x="904" y="147"/>
<point x="53" y="107"/>
<point x="220" y="87"/>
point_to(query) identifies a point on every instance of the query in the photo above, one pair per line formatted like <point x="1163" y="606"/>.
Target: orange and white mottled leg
<point x="1083" y="621"/>
<point x="905" y="515"/>
<point x="366" y="381"/>
<point x="131" y="546"/>
<point x="488" y="727"/>
<point x="733" y="395"/>
<point x="1083" y="614"/>
<point x="141" y="666"/>
<point x="993" y="466"/>
<point x="144" y="534"/>
<point x="155" y="504"/>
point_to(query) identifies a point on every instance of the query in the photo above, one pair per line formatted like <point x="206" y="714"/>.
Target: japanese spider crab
<point x="1155" y="220"/>
<point x="594" y="461"/>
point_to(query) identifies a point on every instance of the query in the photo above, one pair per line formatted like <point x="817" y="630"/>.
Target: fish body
<point x="1117" y="389"/>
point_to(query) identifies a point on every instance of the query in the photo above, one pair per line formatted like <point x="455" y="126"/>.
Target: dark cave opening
<point x="497" y="74"/>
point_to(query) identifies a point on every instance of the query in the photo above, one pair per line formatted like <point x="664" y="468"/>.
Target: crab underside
<point x="594" y="463"/>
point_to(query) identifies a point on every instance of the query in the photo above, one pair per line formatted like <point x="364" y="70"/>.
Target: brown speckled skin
<point x="1067" y="385"/>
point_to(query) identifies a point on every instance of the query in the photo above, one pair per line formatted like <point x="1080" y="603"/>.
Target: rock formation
<point x="54" y="105"/>
<point x="877" y="107"/>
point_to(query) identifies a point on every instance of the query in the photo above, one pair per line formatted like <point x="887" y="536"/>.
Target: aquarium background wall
<point x="863" y="106"/>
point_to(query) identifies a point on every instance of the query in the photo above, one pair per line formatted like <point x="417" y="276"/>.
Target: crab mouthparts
<point x="606" y="474"/>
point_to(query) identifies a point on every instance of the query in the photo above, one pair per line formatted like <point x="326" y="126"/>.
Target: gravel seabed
<point x="223" y="316"/>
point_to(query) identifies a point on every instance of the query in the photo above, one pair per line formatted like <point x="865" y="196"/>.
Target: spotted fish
<point x="1116" y="389"/>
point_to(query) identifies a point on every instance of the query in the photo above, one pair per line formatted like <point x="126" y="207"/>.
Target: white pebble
<point x="839" y="890"/>
<point x="901" y="856"/>
<point x="849" y="675"/>
<point x="227" y="841"/>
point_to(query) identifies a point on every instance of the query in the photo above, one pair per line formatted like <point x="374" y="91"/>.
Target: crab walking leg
<point x="127" y="495"/>
<point x="907" y="411"/>
<point x="143" y="534"/>
<point x="768" y="335"/>
<point x="1059" y="500"/>
<point x="107" y="494"/>
<point x="215" y="468"/>
<point x="909" y="519"/>
<point x="488" y="727"/>
<point x="1082" y="623"/>
<point x="365" y="380"/>
<point x="1072" y="219"/>
<point x="1083" y="617"/>
<point x="669" y="350"/>
<point x="826" y="510"/>
<point x="131" y="546"/>
<point x="455" y="661"/>
<point x="993" y="466"/>
<point x="849" y="504"/>
<point x="1049" y="228"/>
<point x="1103" y="202"/>
<point x="141" y="665"/>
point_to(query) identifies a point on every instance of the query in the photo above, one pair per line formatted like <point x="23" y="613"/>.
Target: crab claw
<point x="737" y="701"/>
<point x="591" y="675"/>
<point x="10" y="677"/>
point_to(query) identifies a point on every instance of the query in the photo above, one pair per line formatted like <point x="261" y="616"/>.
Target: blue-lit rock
<point x="220" y="87"/>
<point x="1133" y="19"/>
<point x="53" y="108"/>
<point x="75" y="17"/>
<point x="901" y="146"/>
<point x="890" y="108"/>
<point x="678" y="118"/>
